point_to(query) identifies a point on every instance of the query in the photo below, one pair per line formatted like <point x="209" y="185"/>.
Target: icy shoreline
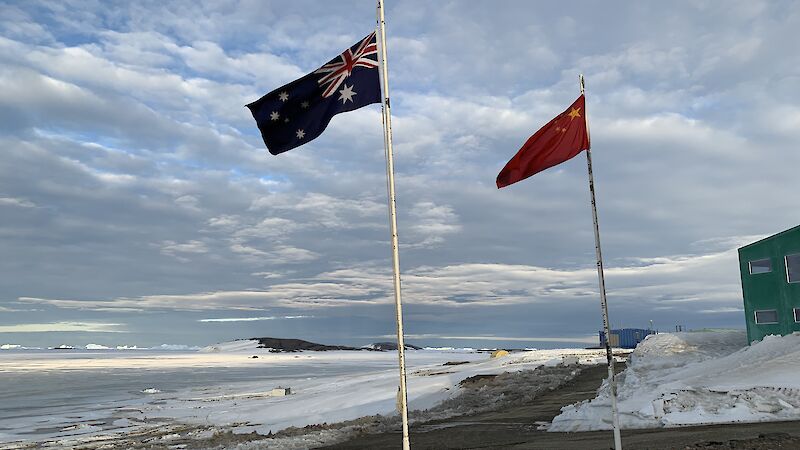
<point x="327" y="387"/>
<point x="150" y="398"/>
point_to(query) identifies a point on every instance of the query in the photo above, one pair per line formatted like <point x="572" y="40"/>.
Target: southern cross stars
<point x="274" y="116"/>
<point x="346" y="94"/>
<point x="300" y="134"/>
<point x="283" y="96"/>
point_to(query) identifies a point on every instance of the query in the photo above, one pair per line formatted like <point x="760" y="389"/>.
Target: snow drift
<point x="697" y="378"/>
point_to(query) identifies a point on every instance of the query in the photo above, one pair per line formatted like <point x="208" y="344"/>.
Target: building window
<point x="766" y="316"/>
<point x="793" y="268"/>
<point x="760" y="266"/>
<point x="797" y="315"/>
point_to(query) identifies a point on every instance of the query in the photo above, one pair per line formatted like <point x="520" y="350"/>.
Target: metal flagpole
<point x="603" y="302"/>
<point x="387" y="139"/>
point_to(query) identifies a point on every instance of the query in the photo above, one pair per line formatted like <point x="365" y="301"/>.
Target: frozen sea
<point x="48" y="394"/>
<point x="96" y="399"/>
<point x="66" y="398"/>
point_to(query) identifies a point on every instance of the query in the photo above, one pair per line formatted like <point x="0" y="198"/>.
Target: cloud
<point x="430" y="223"/>
<point x="724" y="310"/>
<point x="22" y="203"/>
<point x="326" y="210"/>
<point x="208" y="58"/>
<point x="279" y="254"/>
<point x="127" y="148"/>
<point x="5" y="309"/>
<point x="83" y="327"/>
<point x="664" y="282"/>
<point x="253" y="319"/>
<point x="180" y="250"/>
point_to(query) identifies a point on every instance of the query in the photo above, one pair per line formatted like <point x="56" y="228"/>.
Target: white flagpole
<point x="387" y="140"/>
<point x="603" y="302"/>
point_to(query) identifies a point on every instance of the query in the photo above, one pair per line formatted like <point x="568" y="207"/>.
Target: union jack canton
<point x="298" y="112"/>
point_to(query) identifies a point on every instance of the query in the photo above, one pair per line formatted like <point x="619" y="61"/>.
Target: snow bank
<point x="175" y="347"/>
<point x="450" y="349"/>
<point x="698" y="378"/>
<point x="96" y="347"/>
<point x="317" y="400"/>
<point x="233" y="346"/>
<point x="17" y="347"/>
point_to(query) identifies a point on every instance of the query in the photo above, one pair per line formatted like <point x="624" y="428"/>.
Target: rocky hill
<point x="389" y="346"/>
<point x="280" y="345"/>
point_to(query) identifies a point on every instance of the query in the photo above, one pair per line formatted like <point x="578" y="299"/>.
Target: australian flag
<point x="298" y="112"/>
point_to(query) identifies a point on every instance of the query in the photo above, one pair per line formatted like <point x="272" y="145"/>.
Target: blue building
<point x="625" y="337"/>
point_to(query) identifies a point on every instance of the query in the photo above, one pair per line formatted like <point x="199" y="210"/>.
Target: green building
<point x="770" y="271"/>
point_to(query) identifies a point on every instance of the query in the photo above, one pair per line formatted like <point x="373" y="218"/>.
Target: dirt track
<point x="516" y="427"/>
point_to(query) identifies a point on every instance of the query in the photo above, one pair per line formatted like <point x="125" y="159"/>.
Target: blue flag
<point x="298" y="112"/>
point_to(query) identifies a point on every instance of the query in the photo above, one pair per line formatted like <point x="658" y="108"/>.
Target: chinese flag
<point x="561" y="139"/>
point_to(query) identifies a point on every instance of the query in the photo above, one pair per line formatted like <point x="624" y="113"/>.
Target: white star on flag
<point x="274" y="116"/>
<point x="346" y="94"/>
<point x="283" y="96"/>
<point x="300" y="134"/>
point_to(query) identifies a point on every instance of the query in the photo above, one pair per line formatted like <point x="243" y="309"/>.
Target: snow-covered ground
<point x="704" y="377"/>
<point x="71" y="397"/>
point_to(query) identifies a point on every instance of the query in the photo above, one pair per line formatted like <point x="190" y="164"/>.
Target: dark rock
<point x="279" y="345"/>
<point x="389" y="346"/>
<point x="477" y="380"/>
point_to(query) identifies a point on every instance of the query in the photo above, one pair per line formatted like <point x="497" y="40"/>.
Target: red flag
<point x="561" y="139"/>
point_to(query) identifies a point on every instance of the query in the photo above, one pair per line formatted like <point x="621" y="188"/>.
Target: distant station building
<point x="770" y="271"/>
<point x="625" y="337"/>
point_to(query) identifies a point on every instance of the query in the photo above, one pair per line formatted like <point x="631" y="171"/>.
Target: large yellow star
<point x="576" y="112"/>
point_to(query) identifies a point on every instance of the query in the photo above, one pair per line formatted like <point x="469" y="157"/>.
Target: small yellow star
<point x="576" y="112"/>
<point x="558" y="128"/>
<point x="563" y="130"/>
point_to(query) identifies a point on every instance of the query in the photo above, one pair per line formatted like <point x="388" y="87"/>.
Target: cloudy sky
<point x="138" y="205"/>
